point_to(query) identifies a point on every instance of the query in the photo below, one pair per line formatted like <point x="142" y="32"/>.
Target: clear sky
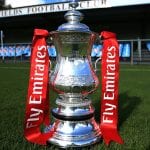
<point x="21" y="3"/>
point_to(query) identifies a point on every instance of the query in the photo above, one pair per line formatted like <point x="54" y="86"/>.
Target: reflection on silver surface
<point x="74" y="111"/>
<point x="76" y="134"/>
<point x="74" y="76"/>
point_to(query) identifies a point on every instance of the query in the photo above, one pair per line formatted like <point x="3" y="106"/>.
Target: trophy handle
<point x="52" y="62"/>
<point x="95" y="64"/>
<point x="99" y="58"/>
<point x="50" y="68"/>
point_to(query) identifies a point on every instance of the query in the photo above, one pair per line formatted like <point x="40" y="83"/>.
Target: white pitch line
<point x="146" y="70"/>
<point x="14" y="68"/>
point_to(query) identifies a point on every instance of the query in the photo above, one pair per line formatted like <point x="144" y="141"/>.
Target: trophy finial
<point x="73" y="18"/>
<point x="74" y="4"/>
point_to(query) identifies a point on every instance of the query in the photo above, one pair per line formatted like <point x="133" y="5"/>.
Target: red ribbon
<point x="110" y="78"/>
<point x="37" y="107"/>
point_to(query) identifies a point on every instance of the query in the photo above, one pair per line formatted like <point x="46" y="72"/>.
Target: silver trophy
<point x="74" y="79"/>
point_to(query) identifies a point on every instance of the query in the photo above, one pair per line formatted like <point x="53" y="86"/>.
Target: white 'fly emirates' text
<point x="37" y="86"/>
<point x="109" y="93"/>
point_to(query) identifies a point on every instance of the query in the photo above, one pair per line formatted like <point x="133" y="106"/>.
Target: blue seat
<point x="27" y="50"/>
<point x="93" y="52"/>
<point x="3" y="54"/>
<point x="18" y="52"/>
<point x="52" y="51"/>
<point x="96" y="51"/>
<point x="0" y="52"/>
<point x="7" y="53"/>
<point x="120" y="49"/>
<point x="28" y="54"/>
<point x="126" y="50"/>
<point x="148" y="46"/>
<point x="99" y="51"/>
<point x="10" y="51"/>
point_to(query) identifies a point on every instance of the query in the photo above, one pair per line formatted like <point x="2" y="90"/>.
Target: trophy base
<point x="76" y="134"/>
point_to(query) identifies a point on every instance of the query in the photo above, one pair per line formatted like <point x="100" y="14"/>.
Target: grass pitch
<point x="134" y="108"/>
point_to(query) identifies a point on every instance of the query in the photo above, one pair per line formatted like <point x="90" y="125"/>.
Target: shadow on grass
<point x="148" y="148"/>
<point x="127" y="104"/>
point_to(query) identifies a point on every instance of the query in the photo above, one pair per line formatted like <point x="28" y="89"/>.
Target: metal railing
<point x="137" y="51"/>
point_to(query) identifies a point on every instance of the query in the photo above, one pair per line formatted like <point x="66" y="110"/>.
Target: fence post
<point x="15" y="55"/>
<point x="139" y="50"/>
<point x="131" y="52"/>
<point x="2" y="44"/>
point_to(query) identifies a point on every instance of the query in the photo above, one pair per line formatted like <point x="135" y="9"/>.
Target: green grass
<point x="134" y="108"/>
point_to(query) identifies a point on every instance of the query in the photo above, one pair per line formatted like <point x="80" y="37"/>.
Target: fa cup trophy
<point x="73" y="78"/>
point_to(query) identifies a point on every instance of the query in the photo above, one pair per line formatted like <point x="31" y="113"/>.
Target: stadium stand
<point x="130" y="51"/>
<point x="22" y="51"/>
<point x="15" y="50"/>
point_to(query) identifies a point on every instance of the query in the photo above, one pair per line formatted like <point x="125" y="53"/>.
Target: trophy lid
<point x="73" y="17"/>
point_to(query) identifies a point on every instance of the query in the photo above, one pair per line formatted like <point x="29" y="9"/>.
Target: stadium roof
<point x="112" y="14"/>
<point x="18" y="3"/>
<point x="50" y="6"/>
<point x="120" y="19"/>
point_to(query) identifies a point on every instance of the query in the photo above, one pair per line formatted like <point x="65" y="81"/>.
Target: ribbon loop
<point x="110" y="78"/>
<point x="37" y="106"/>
